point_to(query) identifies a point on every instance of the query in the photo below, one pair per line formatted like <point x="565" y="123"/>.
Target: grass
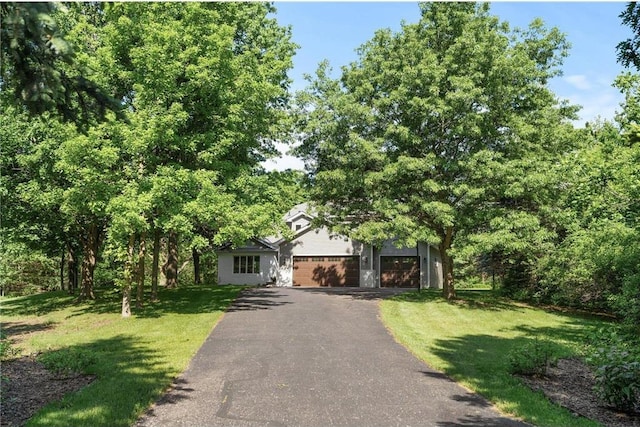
<point x="134" y="359"/>
<point x="470" y="339"/>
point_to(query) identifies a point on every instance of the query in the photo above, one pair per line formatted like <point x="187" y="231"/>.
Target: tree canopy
<point x="435" y="133"/>
<point x="39" y="64"/>
<point x="204" y="88"/>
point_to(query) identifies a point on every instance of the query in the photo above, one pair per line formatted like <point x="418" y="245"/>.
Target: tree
<point x="39" y="64"/>
<point x="90" y="165"/>
<point x="207" y="86"/>
<point x="205" y="91"/>
<point x="30" y="188"/>
<point x="432" y="133"/>
<point x="72" y="172"/>
<point x="628" y="50"/>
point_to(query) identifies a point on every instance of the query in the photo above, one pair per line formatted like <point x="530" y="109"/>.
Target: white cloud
<point x="283" y="162"/>
<point x="579" y="81"/>
<point x="602" y="103"/>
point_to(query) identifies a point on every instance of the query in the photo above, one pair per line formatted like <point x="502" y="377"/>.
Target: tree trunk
<point x="62" y="261"/>
<point x="142" y="252"/>
<point x="155" y="264"/>
<point x="196" y="266"/>
<point x="448" y="290"/>
<point x="170" y="268"/>
<point x="128" y="278"/>
<point x="72" y="269"/>
<point x="76" y="273"/>
<point x="89" y="259"/>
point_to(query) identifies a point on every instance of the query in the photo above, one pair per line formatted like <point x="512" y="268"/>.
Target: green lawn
<point x="134" y="359"/>
<point x="470" y="339"/>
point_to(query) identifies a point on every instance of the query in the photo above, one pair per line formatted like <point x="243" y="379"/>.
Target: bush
<point x="618" y="379"/>
<point x="615" y="354"/>
<point x="532" y="358"/>
<point x="595" y="268"/>
<point x="7" y="350"/>
<point x="68" y="361"/>
<point x="25" y="272"/>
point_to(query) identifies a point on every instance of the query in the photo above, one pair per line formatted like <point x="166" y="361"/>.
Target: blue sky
<point x="334" y="30"/>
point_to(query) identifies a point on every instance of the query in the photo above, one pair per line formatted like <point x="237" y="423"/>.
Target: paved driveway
<point x="310" y="357"/>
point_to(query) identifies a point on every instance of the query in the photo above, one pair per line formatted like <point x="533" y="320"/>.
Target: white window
<point x="246" y="264"/>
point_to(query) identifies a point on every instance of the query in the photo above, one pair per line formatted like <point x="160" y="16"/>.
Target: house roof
<point x="261" y="245"/>
<point x="297" y="211"/>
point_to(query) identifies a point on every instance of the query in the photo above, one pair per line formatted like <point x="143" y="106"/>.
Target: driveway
<point x="313" y="357"/>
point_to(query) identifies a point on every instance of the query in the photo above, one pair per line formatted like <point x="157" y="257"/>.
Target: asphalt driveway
<point x="311" y="357"/>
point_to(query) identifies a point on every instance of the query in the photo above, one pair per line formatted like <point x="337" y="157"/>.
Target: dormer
<point x="299" y="221"/>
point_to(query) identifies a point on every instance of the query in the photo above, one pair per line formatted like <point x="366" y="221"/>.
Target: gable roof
<point x="260" y="245"/>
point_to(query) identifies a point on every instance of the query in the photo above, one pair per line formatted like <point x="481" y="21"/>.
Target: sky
<point x="334" y="30"/>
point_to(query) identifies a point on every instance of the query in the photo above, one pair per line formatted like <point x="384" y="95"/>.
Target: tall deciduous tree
<point x="427" y="136"/>
<point x="207" y="86"/>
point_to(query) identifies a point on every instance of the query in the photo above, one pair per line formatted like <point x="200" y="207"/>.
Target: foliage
<point x="38" y="64"/>
<point x="532" y="358"/>
<point x="7" y="349"/>
<point x="629" y="50"/>
<point x="441" y="132"/>
<point x="618" y="376"/>
<point x="614" y="352"/>
<point x="24" y="271"/>
<point x="66" y="362"/>
<point x="595" y="265"/>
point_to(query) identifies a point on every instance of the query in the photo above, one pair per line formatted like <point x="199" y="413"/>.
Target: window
<point x="246" y="264"/>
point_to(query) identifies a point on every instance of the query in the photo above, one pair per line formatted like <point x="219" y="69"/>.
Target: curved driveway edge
<point x="312" y="357"/>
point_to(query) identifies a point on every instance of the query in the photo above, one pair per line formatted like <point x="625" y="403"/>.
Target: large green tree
<point x="207" y="85"/>
<point x="433" y="134"/>
<point x="205" y="91"/>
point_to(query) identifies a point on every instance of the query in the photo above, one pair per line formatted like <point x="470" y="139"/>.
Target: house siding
<point x="268" y="269"/>
<point x="319" y="242"/>
<point x="277" y="255"/>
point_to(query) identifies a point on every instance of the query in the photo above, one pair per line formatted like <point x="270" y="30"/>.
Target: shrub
<point x="615" y="354"/>
<point x="68" y="361"/>
<point x="532" y="358"/>
<point x="7" y="350"/>
<point x="25" y="272"/>
<point x="618" y="378"/>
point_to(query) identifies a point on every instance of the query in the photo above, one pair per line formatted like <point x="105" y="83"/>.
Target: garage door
<point x="326" y="271"/>
<point x="399" y="272"/>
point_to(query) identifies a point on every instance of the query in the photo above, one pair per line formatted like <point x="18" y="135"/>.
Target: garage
<point x="399" y="272"/>
<point x="326" y="271"/>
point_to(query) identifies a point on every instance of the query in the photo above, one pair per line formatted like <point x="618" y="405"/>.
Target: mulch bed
<point x="570" y="384"/>
<point x="27" y="386"/>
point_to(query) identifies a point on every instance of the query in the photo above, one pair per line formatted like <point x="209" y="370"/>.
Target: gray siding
<point x="320" y="242"/>
<point x="268" y="269"/>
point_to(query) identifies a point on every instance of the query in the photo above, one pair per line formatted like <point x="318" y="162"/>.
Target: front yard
<point x="133" y="360"/>
<point x="470" y="341"/>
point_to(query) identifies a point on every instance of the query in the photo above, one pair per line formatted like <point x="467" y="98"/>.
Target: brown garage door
<point x="326" y="271"/>
<point x="399" y="272"/>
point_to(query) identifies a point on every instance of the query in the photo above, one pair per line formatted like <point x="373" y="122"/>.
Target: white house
<point x="317" y="257"/>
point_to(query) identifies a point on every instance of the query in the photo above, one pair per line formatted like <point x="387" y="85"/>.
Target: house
<point x="317" y="257"/>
